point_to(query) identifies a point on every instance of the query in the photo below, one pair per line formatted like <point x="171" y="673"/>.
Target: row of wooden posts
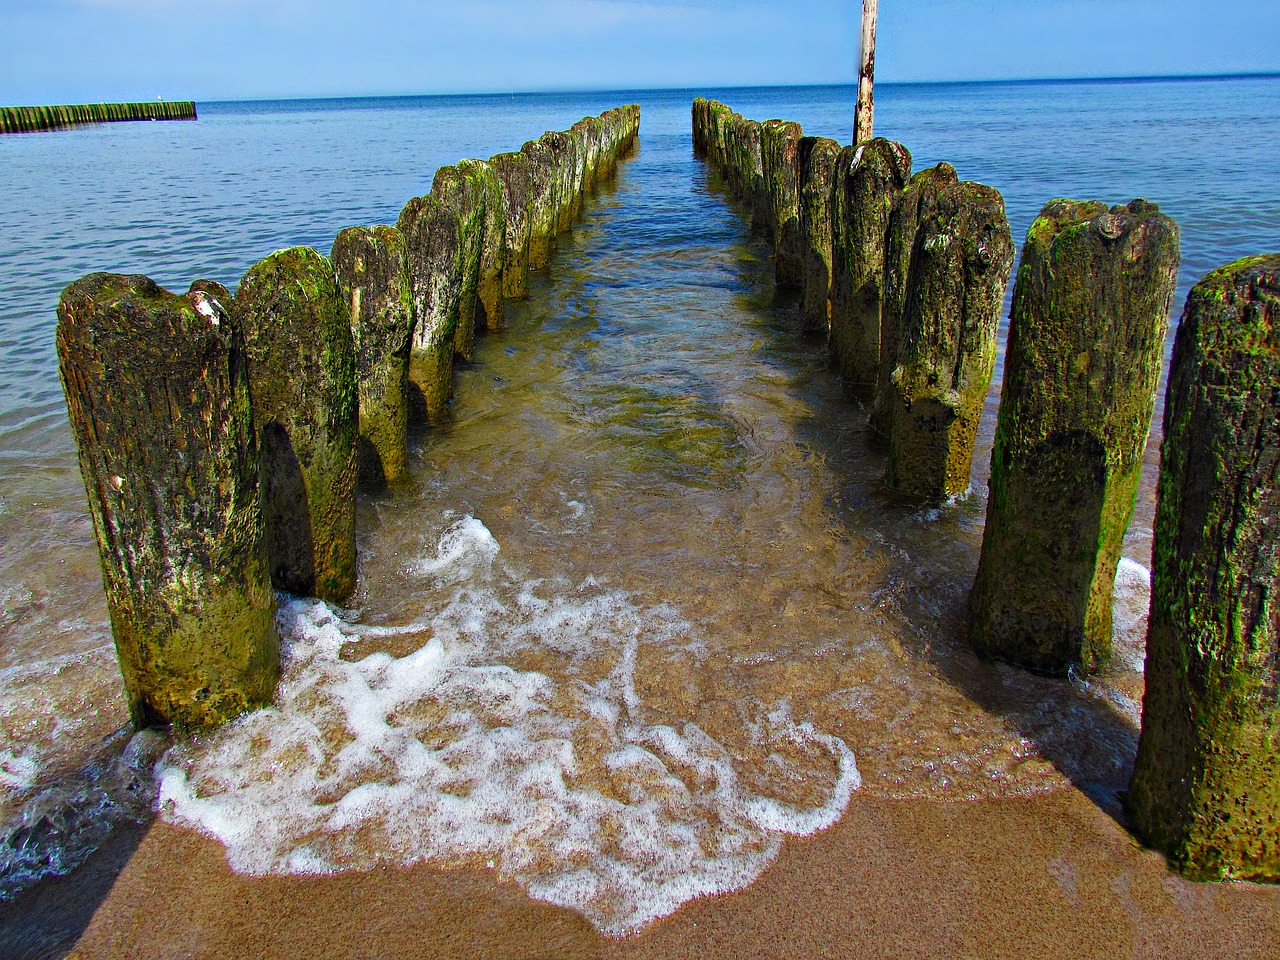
<point x="34" y="119"/>
<point x="222" y="438"/>
<point x="907" y="274"/>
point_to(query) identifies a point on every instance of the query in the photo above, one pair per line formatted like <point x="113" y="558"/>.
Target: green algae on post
<point x="373" y="275"/>
<point x="1086" y="337"/>
<point x="1206" y="786"/>
<point x="158" y="396"/>
<point x="430" y="230"/>
<point x="461" y="190"/>
<point x="909" y="206"/>
<point x="865" y="183"/>
<point x="818" y="157"/>
<point x="780" y="141"/>
<point x="947" y="343"/>
<point x="302" y="378"/>
<point x="543" y="202"/>
<point x="515" y="174"/>
<point x="489" y="311"/>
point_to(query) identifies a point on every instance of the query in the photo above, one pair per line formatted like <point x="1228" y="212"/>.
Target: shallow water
<point x="642" y="609"/>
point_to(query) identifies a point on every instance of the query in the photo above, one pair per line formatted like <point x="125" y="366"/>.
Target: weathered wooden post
<point x="460" y="189"/>
<point x="865" y="114"/>
<point x="373" y="275"/>
<point x="909" y="206"/>
<point x="430" y="231"/>
<point x="158" y="398"/>
<point x="302" y="378"/>
<point x="780" y="142"/>
<point x="562" y="151"/>
<point x="515" y="175"/>
<point x="865" y="183"/>
<point x="489" y="312"/>
<point x="817" y="156"/>
<point x="543" y="212"/>
<point x="947" y="348"/>
<point x="1206" y="787"/>
<point x="1086" y="339"/>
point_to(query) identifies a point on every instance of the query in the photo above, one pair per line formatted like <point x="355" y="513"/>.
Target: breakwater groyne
<point x="905" y="275"/>
<point x="36" y="119"/>
<point x="222" y="437"/>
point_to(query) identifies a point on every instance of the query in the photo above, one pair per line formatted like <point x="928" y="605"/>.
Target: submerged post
<point x="1206" y="787"/>
<point x="1086" y="341"/>
<point x="158" y="397"/>
<point x="302" y="375"/>
<point x="865" y="115"/>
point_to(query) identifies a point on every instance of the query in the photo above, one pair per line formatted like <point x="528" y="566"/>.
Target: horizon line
<point x="553" y="91"/>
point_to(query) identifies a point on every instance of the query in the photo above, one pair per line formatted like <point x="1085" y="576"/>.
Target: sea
<point x="642" y="609"/>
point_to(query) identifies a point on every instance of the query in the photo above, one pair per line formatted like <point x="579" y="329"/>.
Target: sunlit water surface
<point x="642" y="609"/>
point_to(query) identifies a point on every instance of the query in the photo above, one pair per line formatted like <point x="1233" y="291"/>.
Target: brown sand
<point x="1047" y="877"/>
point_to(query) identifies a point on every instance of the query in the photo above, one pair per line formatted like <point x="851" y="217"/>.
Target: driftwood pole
<point x="866" y="75"/>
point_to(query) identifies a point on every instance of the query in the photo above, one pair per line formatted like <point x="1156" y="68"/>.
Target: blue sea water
<point x="650" y="385"/>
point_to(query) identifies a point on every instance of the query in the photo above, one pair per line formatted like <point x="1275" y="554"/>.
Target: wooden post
<point x="866" y="75"/>
<point x="158" y="398"/>
<point x="1206" y="785"/>
<point x="1086" y="341"/>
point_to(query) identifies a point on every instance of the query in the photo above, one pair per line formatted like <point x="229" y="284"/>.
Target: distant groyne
<point x="36" y="119"/>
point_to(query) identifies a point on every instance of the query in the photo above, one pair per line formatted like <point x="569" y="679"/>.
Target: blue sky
<point x="64" y="51"/>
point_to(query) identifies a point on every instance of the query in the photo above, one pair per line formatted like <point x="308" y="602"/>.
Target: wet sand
<point x="1047" y="877"/>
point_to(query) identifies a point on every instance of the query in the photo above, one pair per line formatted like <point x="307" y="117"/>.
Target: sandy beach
<point x="1047" y="877"/>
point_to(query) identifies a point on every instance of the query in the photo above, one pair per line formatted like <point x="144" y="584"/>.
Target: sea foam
<point x="511" y="736"/>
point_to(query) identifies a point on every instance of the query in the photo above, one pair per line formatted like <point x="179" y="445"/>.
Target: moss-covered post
<point x="588" y="132"/>
<point x="489" y="311"/>
<point x="865" y="183"/>
<point x="302" y="378"/>
<point x="578" y="174"/>
<point x="373" y="275"/>
<point x="562" y="148"/>
<point x="158" y="397"/>
<point x="515" y="175"/>
<point x="754" y="188"/>
<point x="818" y="157"/>
<point x="543" y="212"/>
<point x="461" y="190"/>
<point x="780" y="143"/>
<point x="1206" y="787"/>
<point x="947" y="347"/>
<point x="1086" y="339"/>
<point x="430" y="230"/>
<point x="909" y="207"/>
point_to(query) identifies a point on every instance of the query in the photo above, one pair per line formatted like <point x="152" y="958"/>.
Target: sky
<point x="76" y="51"/>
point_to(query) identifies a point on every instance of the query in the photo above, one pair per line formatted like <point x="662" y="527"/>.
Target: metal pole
<point x="866" y="75"/>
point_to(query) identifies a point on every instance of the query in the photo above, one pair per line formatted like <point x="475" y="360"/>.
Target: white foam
<point x="1131" y="602"/>
<point x="556" y="777"/>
